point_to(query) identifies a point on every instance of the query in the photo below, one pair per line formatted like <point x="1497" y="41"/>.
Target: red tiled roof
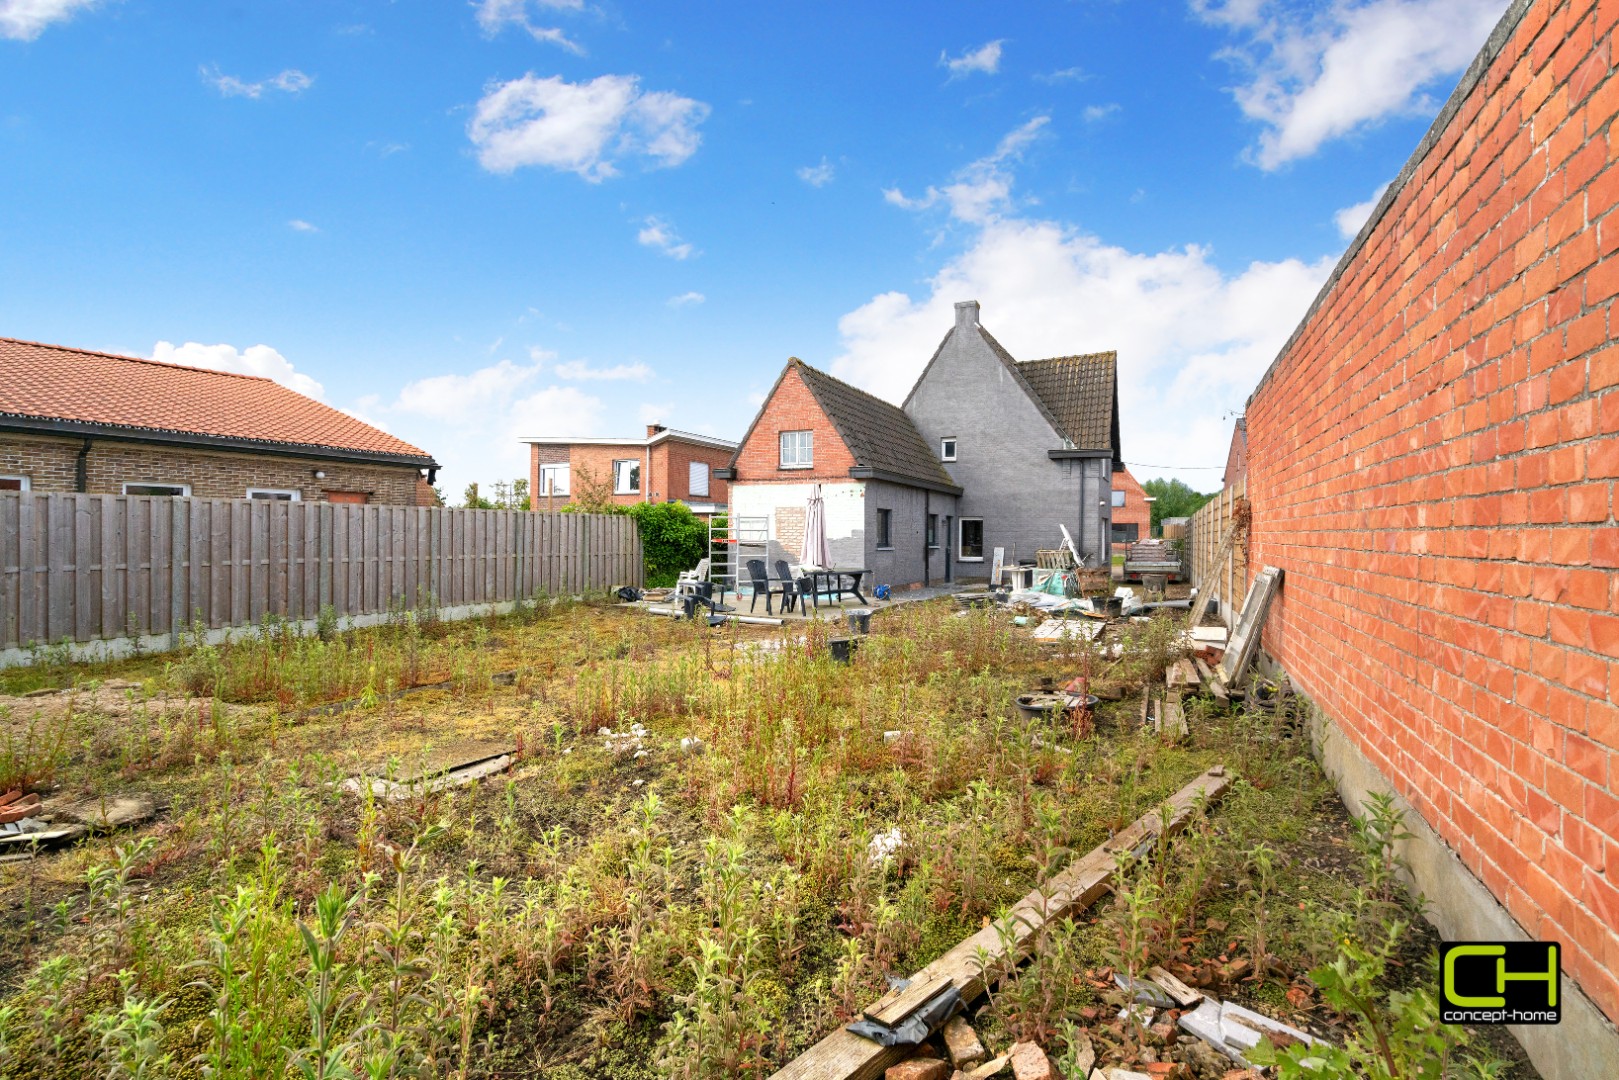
<point x="52" y="382"/>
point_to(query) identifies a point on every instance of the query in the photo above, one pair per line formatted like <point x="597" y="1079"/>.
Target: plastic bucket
<point x="859" y="621"/>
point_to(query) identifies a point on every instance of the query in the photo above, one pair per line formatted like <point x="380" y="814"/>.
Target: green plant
<point x="1377" y="836"/>
<point x="328" y="1055"/>
<point x="132" y="1037"/>
<point x="672" y="539"/>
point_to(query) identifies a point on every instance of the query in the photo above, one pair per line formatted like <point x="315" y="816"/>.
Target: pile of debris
<point x="27" y="824"/>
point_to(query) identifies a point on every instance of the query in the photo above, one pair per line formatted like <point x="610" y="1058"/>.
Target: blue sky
<point x="468" y="222"/>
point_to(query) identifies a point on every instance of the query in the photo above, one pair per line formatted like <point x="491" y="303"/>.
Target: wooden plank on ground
<point x="1172" y="718"/>
<point x="846" y="1056"/>
<point x="1210" y="683"/>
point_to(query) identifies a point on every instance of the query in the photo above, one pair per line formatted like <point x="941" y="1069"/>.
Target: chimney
<point x="653" y="429"/>
<point x="966" y="314"/>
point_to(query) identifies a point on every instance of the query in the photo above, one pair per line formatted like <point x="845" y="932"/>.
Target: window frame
<point x="692" y="468"/>
<point x="1118" y="498"/>
<point x="565" y="469"/>
<point x="806" y="445"/>
<point x="961" y="528"/>
<point x="183" y="492"/>
<point x="885" y="529"/>
<point x="933" y="532"/>
<point x="274" y="494"/>
<point x="26" y="482"/>
<point x="635" y="472"/>
<point x="1115" y="527"/>
<point x="947" y="448"/>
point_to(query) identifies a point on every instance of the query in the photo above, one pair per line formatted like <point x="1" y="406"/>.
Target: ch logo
<point x="1500" y="982"/>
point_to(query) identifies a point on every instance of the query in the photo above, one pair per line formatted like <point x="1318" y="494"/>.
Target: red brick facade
<point x="51" y="464"/>
<point x="665" y="468"/>
<point x="1432" y="460"/>
<point x="792" y="408"/>
<point x="1136" y="510"/>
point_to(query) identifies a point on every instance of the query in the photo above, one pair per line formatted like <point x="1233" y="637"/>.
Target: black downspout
<point x="81" y="469"/>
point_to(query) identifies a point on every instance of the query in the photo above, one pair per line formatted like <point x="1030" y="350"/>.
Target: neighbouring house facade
<point x="889" y="504"/>
<point x="72" y="420"/>
<point x="1236" y="459"/>
<point x="664" y="466"/>
<point x="1033" y="445"/>
<point x="1132" y="511"/>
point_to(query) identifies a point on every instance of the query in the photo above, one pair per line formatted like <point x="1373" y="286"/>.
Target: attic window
<point x="179" y="491"/>
<point x="797" y="449"/>
<point x="1118" y="497"/>
<point x="947" y="449"/>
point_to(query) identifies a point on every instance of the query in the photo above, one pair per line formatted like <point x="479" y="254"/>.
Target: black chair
<point x="789" y="586"/>
<point x="761" y="586"/>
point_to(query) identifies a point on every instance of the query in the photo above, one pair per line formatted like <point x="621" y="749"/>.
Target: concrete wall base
<point x="1585" y="1045"/>
<point x="100" y="650"/>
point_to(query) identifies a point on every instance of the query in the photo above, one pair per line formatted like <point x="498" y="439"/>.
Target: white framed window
<point x="947" y="449"/>
<point x="627" y="477"/>
<point x="797" y="449"/>
<point x="933" y="532"/>
<point x="275" y="494"/>
<point x="1118" y="497"/>
<point x="13" y="483"/>
<point x="885" y="528"/>
<point x="970" y="546"/>
<point x="554" y="480"/>
<point x="176" y="490"/>
<point x="697" y="482"/>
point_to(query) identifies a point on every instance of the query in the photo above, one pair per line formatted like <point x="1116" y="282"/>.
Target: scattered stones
<point x="919" y="1069"/>
<point x="962" y="1043"/>
<point x="991" y="1067"/>
<point x="892" y="737"/>
<point x="884" y="845"/>
<point x="1125" y="1074"/>
<point x="691" y="744"/>
<point x="113" y="812"/>
<point x="1084" y="1055"/>
<point x="1029" y="1062"/>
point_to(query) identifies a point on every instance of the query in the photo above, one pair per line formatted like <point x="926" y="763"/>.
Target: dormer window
<point x="947" y="449"/>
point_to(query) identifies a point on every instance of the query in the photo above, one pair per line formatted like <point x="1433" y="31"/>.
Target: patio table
<point x="836" y="580"/>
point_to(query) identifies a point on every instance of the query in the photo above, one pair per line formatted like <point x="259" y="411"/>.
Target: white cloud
<point x="817" y="175"/>
<point x="582" y="370"/>
<point x="658" y="233"/>
<point x="1068" y="74"/>
<point x="1093" y="113"/>
<point x="290" y="81"/>
<point x="1351" y="218"/>
<point x="986" y="59"/>
<point x="300" y="225"/>
<point x="258" y="360"/>
<point x="472" y="422"/>
<point x="1192" y="339"/>
<point x="686" y="299"/>
<point x="25" y="20"/>
<point x="1322" y="72"/>
<point x="981" y="190"/>
<point x="495" y="15"/>
<point x="584" y="128"/>
<point x="655" y="412"/>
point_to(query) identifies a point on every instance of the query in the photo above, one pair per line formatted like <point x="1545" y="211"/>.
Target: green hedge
<point x="672" y="539"/>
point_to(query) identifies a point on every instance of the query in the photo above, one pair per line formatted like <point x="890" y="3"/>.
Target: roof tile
<point x="878" y="434"/>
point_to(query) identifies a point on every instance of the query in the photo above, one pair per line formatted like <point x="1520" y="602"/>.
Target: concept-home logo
<point x="1500" y="982"/>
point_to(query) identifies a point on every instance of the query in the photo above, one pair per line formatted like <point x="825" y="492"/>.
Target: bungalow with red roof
<point x="72" y="420"/>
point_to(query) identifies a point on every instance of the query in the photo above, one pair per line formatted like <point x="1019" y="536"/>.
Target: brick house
<point x="72" y="420"/>
<point x="665" y="466"/>
<point x="1132" y="511"/>
<point x="1236" y="459"/>
<point x="889" y="503"/>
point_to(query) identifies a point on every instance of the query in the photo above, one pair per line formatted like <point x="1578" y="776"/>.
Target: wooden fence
<point x="86" y="567"/>
<point x="1229" y="579"/>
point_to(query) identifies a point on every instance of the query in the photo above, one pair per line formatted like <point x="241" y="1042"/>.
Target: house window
<point x="13" y="483"/>
<point x="274" y="494"/>
<point x="1118" y="497"/>
<point x="698" y="481"/>
<point x="972" y="540"/>
<point x="947" y="449"/>
<point x="553" y="480"/>
<point x="626" y="478"/>
<point x="176" y="490"/>
<point x="1126" y="533"/>
<point x="797" y="449"/>
<point x="885" y="528"/>
<point x="933" y="532"/>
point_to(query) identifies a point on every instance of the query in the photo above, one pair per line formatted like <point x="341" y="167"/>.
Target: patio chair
<point x="789" y="584"/>
<point x="686" y="581"/>
<point x="761" y="587"/>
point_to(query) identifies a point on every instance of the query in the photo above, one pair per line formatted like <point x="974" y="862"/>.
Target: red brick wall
<point x="51" y="464"/>
<point x="792" y="408"/>
<point x="598" y="462"/>
<point x="671" y="471"/>
<point x="1432" y="461"/>
<point x="666" y="470"/>
<point x="1136" y="508"/>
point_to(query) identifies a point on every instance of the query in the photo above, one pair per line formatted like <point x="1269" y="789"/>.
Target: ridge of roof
<point x="131" y="359"/>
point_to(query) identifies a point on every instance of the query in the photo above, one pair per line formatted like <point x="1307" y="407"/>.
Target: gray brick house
<point x="1032" y="444"/>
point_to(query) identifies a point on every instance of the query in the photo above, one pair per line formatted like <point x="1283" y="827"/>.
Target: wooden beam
<point x="843" y="1055"/>
<point x="1203" y="589"/>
